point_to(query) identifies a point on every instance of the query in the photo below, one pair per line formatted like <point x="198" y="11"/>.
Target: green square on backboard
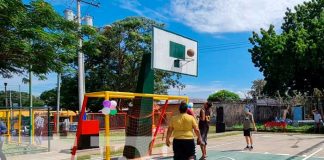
<point x="177" y="50"/>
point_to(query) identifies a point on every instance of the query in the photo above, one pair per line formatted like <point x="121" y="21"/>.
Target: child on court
<point x="247" y="128"/>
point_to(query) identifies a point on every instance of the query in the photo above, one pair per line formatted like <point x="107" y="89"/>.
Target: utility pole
<point x="81" y="77"/>
<point x="80" y="58"/>
<point x="20" y="103"/>
<point x="30" y="107"/>
<point x="10" y="100"/>
<point x="6" y="100"/>
<point x="58" y="103"/>
<point x="10" y="105"/>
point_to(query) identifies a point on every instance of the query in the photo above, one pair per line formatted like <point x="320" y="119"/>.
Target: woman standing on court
<point x="204" y="118"/>
<point x="182" y="127"/>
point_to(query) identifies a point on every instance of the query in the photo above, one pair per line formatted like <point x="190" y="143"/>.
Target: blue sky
<point x="221" y="27"/>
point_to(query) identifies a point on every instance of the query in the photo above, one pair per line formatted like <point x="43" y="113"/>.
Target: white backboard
<point x="169" y="52"/>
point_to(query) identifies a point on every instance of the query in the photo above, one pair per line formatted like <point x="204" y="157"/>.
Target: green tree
<point x="34" y="38"/>
<point x="224" y="96"/>
<point x="49" y="97"/>
<point x="257" y="88"/>
<point x="292" y="59"/>
<point x="15" y="98"/>
<point x="116" y="63"/>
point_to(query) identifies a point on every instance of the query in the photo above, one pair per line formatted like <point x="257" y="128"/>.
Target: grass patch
<point x="289" y="128"/>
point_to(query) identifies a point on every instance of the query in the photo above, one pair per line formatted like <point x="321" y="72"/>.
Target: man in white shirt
<point x="318" y="120"/>
<point x="39" y="125"/>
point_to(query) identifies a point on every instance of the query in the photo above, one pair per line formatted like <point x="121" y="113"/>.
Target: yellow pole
<point x="71" y="118"/>
<point x="8" y="124"/>
<point x="19" y="127"/>
<point x="107" y="128"/>
<point x="33" y="127"/>
<point x="107" y="137"/>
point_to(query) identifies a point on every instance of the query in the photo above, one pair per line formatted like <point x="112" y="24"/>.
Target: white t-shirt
<point x="39" y="122"/>
<point x="317" y="117"/>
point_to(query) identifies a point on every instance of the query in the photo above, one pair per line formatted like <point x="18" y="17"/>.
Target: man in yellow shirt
<point x="182" y="127"/>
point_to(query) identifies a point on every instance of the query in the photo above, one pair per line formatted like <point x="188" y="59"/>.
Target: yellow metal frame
<point x="6" y="114"/>
<point x="127" y="95"/>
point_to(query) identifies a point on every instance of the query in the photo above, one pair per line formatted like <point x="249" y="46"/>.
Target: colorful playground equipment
<point x="108" y="95"/>
<point x="18" y="120"/>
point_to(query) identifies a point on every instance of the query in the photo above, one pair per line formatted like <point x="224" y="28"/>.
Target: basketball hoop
<point x="177" y="62"/>
<point x="174" y="53"/>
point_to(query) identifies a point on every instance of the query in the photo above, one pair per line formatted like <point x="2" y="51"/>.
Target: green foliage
<point x="37" y="102"/>
<point x="224" y="96"/>
<point x="69" y="92"/>
<point x="34" y="35"/>
<point x="292" y="59"/>
<point x="49" y="97"/>
<point x="290" y="128"/>
<point x="257" y="88"/>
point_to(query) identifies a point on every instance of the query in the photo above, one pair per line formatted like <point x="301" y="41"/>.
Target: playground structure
<point x="108" y="95"/>
<point x="17" y="122"/>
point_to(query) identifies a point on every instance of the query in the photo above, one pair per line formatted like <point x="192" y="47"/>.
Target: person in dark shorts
<point x="204" y="118"/>
<point x="248" y="123"/>
<point x="182" y="127"/>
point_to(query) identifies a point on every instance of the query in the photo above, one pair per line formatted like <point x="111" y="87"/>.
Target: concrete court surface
<point x="267" y="146"/>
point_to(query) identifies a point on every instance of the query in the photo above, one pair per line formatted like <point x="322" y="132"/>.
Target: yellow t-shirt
<point x="183" y="126"/>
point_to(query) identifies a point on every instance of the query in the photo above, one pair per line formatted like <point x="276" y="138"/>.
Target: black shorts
<point x="203" y="132"/>
<point x="247" y="132"/>
<point x="183" y="149"/>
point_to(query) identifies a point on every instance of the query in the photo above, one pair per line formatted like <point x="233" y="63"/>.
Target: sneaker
<point x="246" y="148"/>
<point x="251" y="148"/>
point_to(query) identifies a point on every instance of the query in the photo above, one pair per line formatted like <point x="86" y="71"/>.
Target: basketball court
<point x="267" y="146"/>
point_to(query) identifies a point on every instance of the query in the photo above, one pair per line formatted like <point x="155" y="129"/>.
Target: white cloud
<point x="215" y="16"/>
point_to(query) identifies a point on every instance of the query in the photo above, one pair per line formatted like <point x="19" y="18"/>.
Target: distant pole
<point x="30" y="106"/>
<point x="20" y="103"/>
<point x="58" y="103"/>
<point x="48" y="129"/>
<point x="10" y="100"/>
<point x="10" y="105"/>
<point x="6" y="101"/>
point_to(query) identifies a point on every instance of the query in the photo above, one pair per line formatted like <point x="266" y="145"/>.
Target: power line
<point x="221" y="44"/>
<point x="224" y="46"/>
<point x="224" y="49"/>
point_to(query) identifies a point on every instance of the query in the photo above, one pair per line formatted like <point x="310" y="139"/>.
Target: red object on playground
<point x="158" y="126"/>
<point x="283" y="125"/>
<point x="90" y="127"/>
<point x="78" y="133"/>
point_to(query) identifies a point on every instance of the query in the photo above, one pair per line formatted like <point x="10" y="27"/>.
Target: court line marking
<point x="225" y="157"/>
<point x="214" y="146"/>
<point x="309" y="156"/>
<point x="277" y="154"/>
